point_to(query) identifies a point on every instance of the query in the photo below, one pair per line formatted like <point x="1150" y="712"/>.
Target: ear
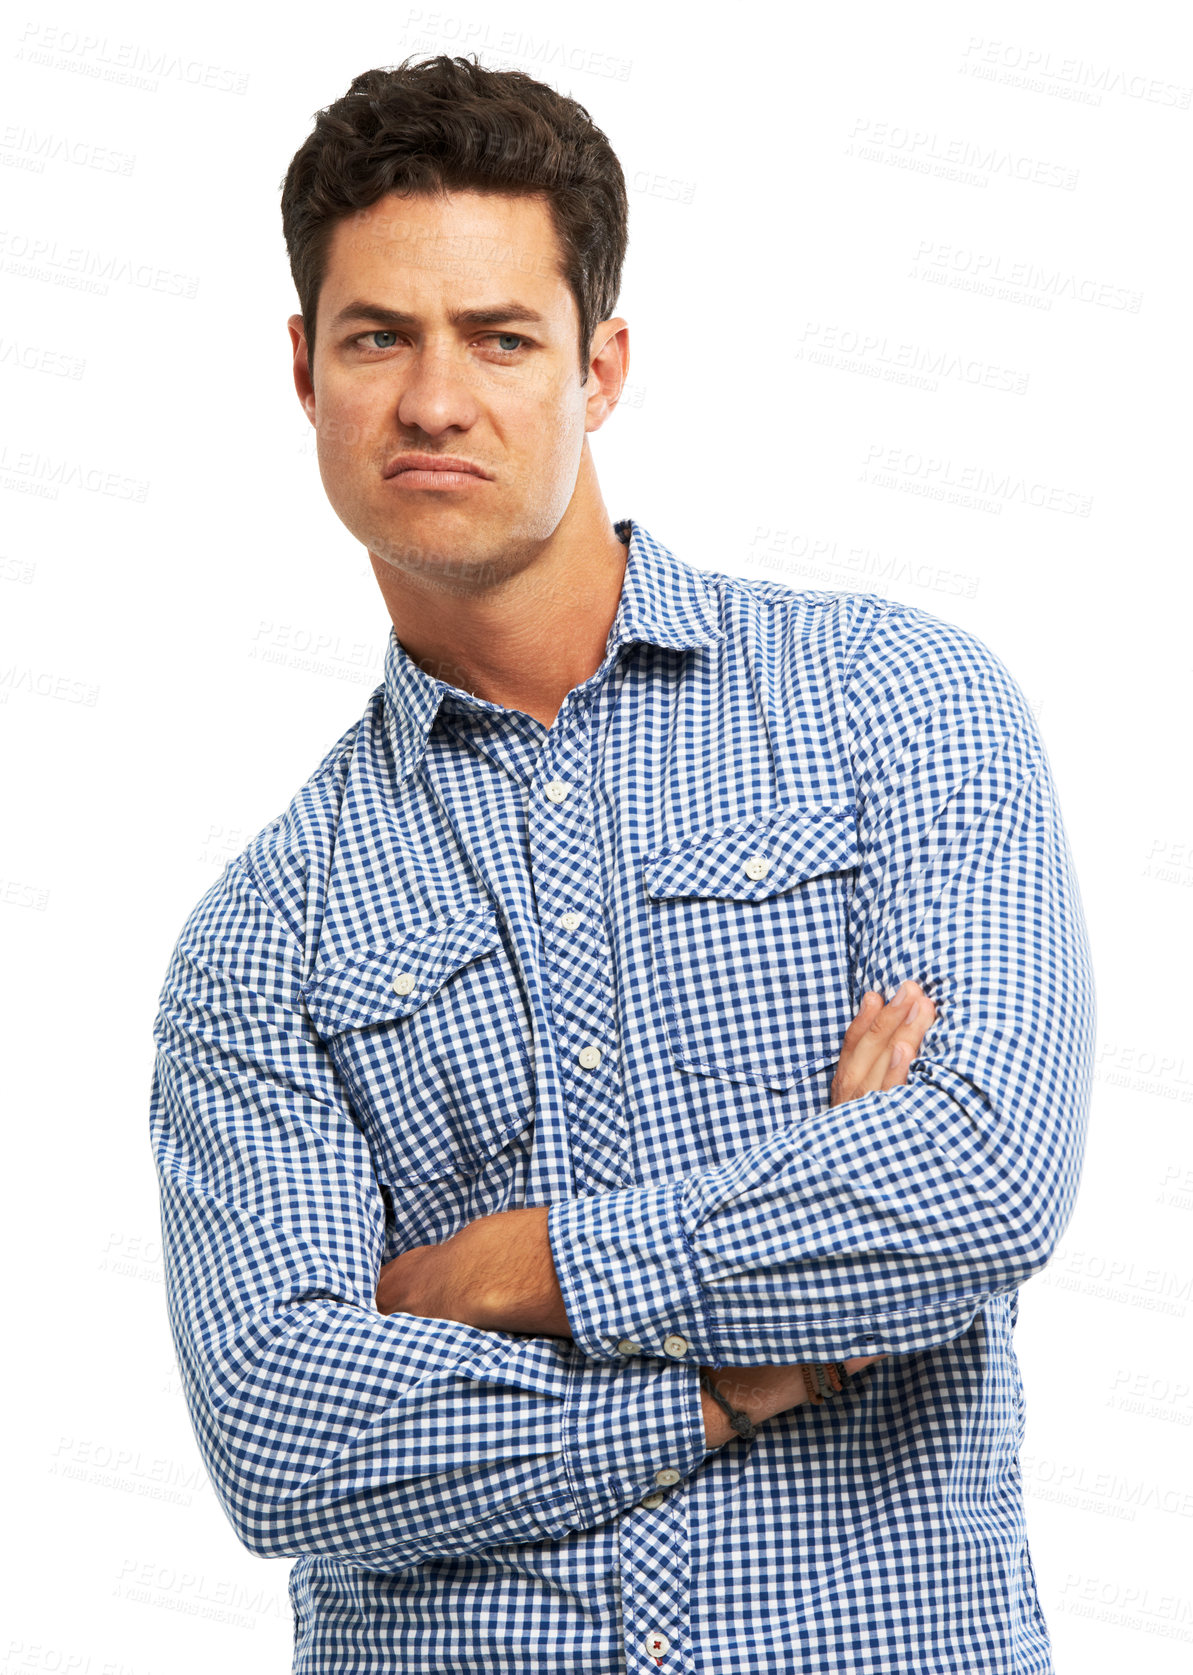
<point x="303" y="382"/>
<point x="608" y="365"/>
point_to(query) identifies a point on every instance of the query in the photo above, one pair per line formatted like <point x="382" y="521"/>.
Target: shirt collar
<point x="664" y="602"/>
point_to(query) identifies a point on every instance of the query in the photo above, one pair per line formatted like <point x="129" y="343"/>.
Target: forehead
<point x="430" y="251"/>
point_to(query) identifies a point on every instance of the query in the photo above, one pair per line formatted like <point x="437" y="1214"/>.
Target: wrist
<point x="717" y="1429"/>
<point x="734" y="1420"/>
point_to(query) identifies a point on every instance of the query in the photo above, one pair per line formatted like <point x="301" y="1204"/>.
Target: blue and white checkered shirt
<point x="479" y="963"/>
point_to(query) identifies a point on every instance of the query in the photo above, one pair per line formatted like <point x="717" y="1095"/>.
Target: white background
<point x="819" y="202"/>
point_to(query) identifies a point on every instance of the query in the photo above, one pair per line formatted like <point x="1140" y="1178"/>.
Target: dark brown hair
<point x="449" y="124"/>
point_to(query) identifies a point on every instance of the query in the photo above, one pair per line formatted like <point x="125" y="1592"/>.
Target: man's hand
<point x="881" y="1042"/>
<point x="495" y="1273"/>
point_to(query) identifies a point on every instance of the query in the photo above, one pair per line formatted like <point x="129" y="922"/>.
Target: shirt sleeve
<point x="883" y="1225"/>
<point x="327" y="1427"/>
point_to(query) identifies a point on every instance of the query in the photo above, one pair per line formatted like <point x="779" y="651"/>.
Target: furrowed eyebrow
<point x="501" y="314"/>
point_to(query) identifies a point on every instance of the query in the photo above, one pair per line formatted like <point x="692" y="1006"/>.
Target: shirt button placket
<point x="654" y="1541"/>
<point x="656" y="1576"/>
<point x="577" y="960"/>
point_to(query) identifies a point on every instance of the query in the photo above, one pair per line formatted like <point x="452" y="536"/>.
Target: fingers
<point x="871" y="1008"/>
<point x="908" y="1036"/>
<point x="869" y="1041"/>
<point x="898" y="1059"/>
<point x="881" y="1042"/>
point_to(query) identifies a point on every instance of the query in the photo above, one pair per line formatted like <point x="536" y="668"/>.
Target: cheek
<point x="351" y="441"/>
<point x="558" y="432"/>
<point x="343" y="427"/>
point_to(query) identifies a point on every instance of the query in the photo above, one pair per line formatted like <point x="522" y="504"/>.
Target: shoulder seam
<point x="781" y="593"/>
<point x="267" y="900"/>
<point x="342" y="748"/>
<point x="880" y="608"/>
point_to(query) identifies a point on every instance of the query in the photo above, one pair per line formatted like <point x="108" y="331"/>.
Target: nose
<point x="438" y="389"/>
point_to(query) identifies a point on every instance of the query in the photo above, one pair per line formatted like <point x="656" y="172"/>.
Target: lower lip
<point x="436" y="479"/>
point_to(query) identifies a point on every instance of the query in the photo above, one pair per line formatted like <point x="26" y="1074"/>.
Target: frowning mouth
<point x="434" y="471"/>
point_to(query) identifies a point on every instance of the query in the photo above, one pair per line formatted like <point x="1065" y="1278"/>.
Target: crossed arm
<point x="384" y="1430"/>
<point x="497" y="1272"/>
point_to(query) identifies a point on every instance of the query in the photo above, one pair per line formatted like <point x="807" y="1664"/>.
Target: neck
<point x="524" y="628"/>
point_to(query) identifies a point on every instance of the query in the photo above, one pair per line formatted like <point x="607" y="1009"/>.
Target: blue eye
<point x="511" y="348"/>
<point x="391" y="335"/>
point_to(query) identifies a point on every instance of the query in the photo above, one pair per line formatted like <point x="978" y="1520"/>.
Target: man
<point x="573" y="1258"/>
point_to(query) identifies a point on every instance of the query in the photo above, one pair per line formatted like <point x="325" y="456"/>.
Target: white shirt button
<point x="557" y="790"/>
<point x="652" y="1501"/>
<point x="673" y="1344"/>
<point x="757" y="866"/>
<point x="569" y="921"/>
<point x="589" y="1057"/>
<point x="627" y="1346"/>
<point x="404" y="982"/>
<point x="656" y="1644"/>
<point x="666" y="1477"/>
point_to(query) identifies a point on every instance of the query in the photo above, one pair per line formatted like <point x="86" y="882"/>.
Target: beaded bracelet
<point x="824" y="1378"/>
<point x="821" y="1379"/>
<point x="741" y="1422"/>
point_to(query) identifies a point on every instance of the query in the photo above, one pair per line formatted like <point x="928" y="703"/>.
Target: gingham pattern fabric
<point x="607" y="966"/>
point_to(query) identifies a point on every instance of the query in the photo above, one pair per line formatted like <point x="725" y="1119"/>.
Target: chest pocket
<point x="430" y="1035"/>
<point x="748" y="943"/>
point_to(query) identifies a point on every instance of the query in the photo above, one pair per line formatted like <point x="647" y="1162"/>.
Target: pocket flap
<point x="748" y="860"/>
<point x="393" y="981"/>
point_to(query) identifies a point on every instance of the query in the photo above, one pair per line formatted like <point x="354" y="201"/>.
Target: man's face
<point x="396" y="375"/>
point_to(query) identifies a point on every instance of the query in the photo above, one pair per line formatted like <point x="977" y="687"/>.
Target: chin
<point x="450" y="554"/>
